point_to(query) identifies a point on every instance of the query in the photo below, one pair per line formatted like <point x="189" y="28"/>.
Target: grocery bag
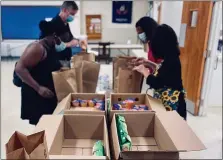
<point x="75" y="61"/>
<point x="83" y="56"/>
<point x="21" y="146"/>
<point x="90" y="73"/>
<point x="65" y="83"/>
<point x="120" y="62"/>
<point x="129" y="81"/>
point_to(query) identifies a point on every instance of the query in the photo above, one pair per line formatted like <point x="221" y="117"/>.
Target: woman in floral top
<point x="167" y="80"/>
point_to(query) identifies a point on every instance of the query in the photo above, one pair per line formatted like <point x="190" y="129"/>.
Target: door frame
<point x="211" y="54"/>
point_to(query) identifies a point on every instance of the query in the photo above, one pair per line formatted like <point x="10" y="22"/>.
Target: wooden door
<point x="194" y="49"/>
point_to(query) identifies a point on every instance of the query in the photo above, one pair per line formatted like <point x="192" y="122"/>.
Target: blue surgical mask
<point x="142" y="37"/>
<point x="60" y="47"/>
<point x="70" y="18"/>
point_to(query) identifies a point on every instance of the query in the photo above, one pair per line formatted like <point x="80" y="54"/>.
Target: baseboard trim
<point x="190" y="106"/>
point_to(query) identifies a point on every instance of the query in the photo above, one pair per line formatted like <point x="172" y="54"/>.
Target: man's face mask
<point x="70" y="18"/>
<point x="142" y="37"/>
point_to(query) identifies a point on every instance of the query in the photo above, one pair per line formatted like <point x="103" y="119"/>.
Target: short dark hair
<point x="164" y="43"/>
<point x="69" y="5"/>
<point x="148" y="26"/>
<point x="46" y="28"/>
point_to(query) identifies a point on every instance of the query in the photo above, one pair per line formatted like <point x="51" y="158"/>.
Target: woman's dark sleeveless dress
<point x="34" y="105"/>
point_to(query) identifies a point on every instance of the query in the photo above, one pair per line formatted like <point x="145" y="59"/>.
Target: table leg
<point x="122" y="52"/>
<point x="128" y="52"/>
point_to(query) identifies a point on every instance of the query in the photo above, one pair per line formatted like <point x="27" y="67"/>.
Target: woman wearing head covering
<point x="167" y="80"/>
<point x="35" y="69"/>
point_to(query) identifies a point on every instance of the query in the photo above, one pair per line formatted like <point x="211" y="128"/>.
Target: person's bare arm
<point x="150" y="64"/>
<point x="72" y="43"/>
<point x="30" y="58"/>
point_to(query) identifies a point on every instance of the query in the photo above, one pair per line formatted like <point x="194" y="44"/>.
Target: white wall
<point x="215" y="95"/>
<point x="155" y="11"/>
<point x="171" y="14"/>
<point x="118" y="33"/>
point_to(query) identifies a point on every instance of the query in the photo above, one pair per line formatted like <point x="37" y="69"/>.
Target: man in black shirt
<point x="62" y="29"/>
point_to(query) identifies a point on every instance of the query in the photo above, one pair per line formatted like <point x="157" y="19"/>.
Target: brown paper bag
<point x="65" y="83"/>
<point x="21" y="146"/>
<point x="83" y="56"/>
<point x="90" y="72"/>
<point x="79" y="78"/>
<point x="129" y="81"/>
<point x="75" y="61"/>
<point x="120" y="62"/>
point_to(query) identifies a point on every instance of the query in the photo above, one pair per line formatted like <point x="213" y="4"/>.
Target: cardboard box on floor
<point x="152" y="103"/>
<point x="65" y="106"/>
<point x="73" y="136"/>
<point x="155" y="136"/>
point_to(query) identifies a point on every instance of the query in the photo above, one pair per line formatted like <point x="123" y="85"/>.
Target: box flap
<point x="156" y="104"/>
<point x="180" y="133"/>
<point x="115" y="140"/>
<point x="150" y="155"/>
<point x="50" y="124"/>
<point x="62" y="105"/>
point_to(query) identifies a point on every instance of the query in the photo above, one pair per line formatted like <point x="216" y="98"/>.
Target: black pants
<point x="182" y="108"/>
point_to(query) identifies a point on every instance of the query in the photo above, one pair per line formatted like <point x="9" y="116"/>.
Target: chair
<point x="104" y="52"/>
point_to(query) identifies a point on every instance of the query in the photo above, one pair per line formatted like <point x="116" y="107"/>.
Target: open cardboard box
<point x="155" y="136"/>
<point x="65" y="106"/>
<point x="152" y="103"/>
<point x="73" y="136"/>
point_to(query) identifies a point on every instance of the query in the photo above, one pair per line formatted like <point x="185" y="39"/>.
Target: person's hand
<point x="142" y="69"/>
<point x="138" y="61"/>
<point x="72" y="43"/>
<point x="45" y="92"/>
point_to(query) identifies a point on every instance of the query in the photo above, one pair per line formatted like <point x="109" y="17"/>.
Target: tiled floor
<point x="208" y="128"/>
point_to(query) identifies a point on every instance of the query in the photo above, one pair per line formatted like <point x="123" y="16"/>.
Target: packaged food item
<point x="91" y="103"/>
<point x="117" y="107"/>
<point x="75" y="103"/>
<point x="83" y="103"/>
<point x="97" y="100"/>
<point x="100" y="106"/>
<point x="124" y="138"/>
<point x="98" y="149"/>
<point x="136" y="107"/>
<point x="129" y="104"/>
<point x="120" y="118"/>
<point x="144" y="107"/>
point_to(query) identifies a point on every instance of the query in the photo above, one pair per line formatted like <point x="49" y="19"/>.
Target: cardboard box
<point x="152" y="103"/>
<point x="156" y="136"/>
<point x="73" y="136"/>
<point x="65" y="106"/>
